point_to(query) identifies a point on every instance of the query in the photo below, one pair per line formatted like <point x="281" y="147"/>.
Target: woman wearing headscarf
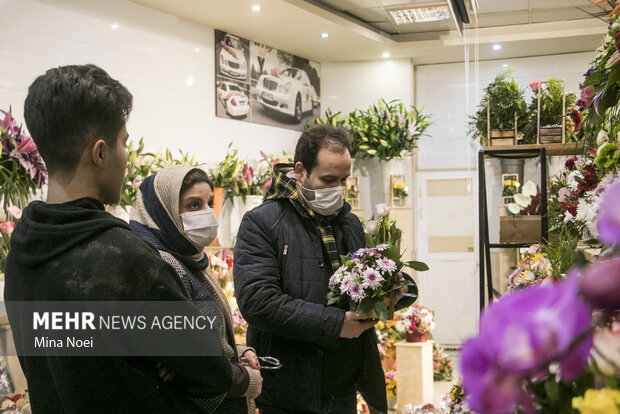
<point x="173" y="211"/>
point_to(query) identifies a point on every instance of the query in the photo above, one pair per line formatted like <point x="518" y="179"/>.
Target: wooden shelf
<point x="569" y="148"/>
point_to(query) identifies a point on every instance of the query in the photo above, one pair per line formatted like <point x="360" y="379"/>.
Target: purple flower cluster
<point x="17" y="145"/>
<point x="363" y="273"/>
<point x="520" y="335"/>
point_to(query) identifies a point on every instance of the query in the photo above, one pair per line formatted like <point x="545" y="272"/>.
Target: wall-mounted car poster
<point x="260" y="84"/>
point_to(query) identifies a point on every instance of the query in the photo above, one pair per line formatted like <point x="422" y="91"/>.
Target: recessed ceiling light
<point x="196" y="49"/>
<point x="497" y="46"/>
<point x="114" y="26"/>
<point x="386" y="54"/>
<point x="420" y="15"/>
<point x="256" y="7"/>
<point x="505" y="65"/>
<point x="324" y="35"/>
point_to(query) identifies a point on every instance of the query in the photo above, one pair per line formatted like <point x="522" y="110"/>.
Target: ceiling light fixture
<point x="324" y="35"/>
<point x="420" y="15"/>
<point x="114" y="26"/>
<point x="497" y="46"/>
<point x="196" y="49"/>
<point x="505" y="65"/>
<point x="386" y="54"/>
<point x="256" y="7"/>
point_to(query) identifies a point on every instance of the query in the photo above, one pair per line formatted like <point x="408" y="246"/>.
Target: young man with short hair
<point x="70" y="249"/>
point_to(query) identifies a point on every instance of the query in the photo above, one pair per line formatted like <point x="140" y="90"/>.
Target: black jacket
<point x="78" y="252"/>
<point x="281" y="283"/>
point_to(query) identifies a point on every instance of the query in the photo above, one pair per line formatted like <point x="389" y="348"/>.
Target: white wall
<point x="151" y="53"/>
<point x="451" y="286"/>
<point x="357" y="85"/>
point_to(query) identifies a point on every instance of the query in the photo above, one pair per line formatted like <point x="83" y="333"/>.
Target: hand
<point x="353" y="325"/>
<point x="381" y="351"/>
<point x="250" y="359"/>
<point x="164" y="373"/>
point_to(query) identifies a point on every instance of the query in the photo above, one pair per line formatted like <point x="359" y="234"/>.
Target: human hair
<point x="317" y="138"/>
<point x="195" y="176"/>
<point x="70" y="107"/>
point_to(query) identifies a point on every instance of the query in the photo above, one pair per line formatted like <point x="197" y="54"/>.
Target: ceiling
<point x="363" y="29"/>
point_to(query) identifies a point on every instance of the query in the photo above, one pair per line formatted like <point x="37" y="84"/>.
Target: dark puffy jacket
<point x="281" y="286"/>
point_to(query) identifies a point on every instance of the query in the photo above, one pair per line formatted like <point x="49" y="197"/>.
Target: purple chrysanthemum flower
<point x="608" y="225"/>
<point x="382" y="247"/>
<point x="372" y="278"/>
<point x="356" y="291"/>
<point x="386" y="265"/>
<point x="333" y="281"/>
<point x="520" y="335"/>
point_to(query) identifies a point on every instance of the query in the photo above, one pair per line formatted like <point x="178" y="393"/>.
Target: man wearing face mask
<point x="174" y="212"/>
<point x="286" y="251"/>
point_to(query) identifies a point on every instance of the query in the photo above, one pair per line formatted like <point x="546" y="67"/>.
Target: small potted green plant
<point x="502" y="112"/>
<point x="551" y="97"/>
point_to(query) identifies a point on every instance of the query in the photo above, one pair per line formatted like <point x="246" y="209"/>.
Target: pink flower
<point x="7" y="227"/>
<point x="372" y="279"/>
<point x="2" y="216"/>
<point x="6" y="123"/>
<point x="411" y="129"/>
<point x="533" y="248"/>
<point x="606" y="350"/>
<point x="586" y="97"/>
<point x="372" y="226"/>
<point x="27" y="145"/>
<point x="536" y="85"/>
<point x="386" y="265"/>
<point x="356" y="291"/>
<point x="136" y="182"/>
<point x="563" y="194"/>
<point x="15" y="212"/>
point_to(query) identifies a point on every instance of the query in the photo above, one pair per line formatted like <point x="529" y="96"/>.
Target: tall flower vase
<point x="218" y="199"/>
<point x="238" y="211"/>
<point x="371" y="184"/>
<point x="416" y="336"/>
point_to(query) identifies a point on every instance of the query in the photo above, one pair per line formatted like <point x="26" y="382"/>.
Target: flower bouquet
<point x="416" y="322"/>
<point x="527" y="202"/>
<point x="390" y="382"/>
<point x="442" y="366"/>
<point x="22" y="171"/>
<point x="370" y="278"/>
<point x="7" y="225"/>
<point x="367" y="282"/>
<point x="533" y="269"/>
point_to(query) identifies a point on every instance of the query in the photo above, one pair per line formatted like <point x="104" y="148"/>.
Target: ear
<point x="97" y="154"/>
<point x="300" y="171"/>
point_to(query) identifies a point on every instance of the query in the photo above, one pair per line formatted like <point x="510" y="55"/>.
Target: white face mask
<point x="200" y="226"/>
<point x="327" y="201"/>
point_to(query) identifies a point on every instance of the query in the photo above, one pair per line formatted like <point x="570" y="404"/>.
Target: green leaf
<point x="417" y="266"/>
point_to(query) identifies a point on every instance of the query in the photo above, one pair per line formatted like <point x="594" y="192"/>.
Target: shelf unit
<point x="542" y="151"/>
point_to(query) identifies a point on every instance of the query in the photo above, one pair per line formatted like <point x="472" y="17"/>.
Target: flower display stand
<point x="414" y="373"/>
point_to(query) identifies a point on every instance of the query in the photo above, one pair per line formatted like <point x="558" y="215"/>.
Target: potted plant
<point x="522" y="224"/>
<point x="224" y="176"/>
<point x="502" y="112"/>
<point x="551" y="97"/>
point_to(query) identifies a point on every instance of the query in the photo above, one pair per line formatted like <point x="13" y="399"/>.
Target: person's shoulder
<point x="124" y="244"/>
<point x="268" y="211"/>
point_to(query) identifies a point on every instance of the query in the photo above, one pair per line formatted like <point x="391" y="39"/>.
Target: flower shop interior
<point x="486" y="130"/>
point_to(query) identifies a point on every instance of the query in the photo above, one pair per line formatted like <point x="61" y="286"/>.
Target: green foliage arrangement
<point x="505" y="98"/>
